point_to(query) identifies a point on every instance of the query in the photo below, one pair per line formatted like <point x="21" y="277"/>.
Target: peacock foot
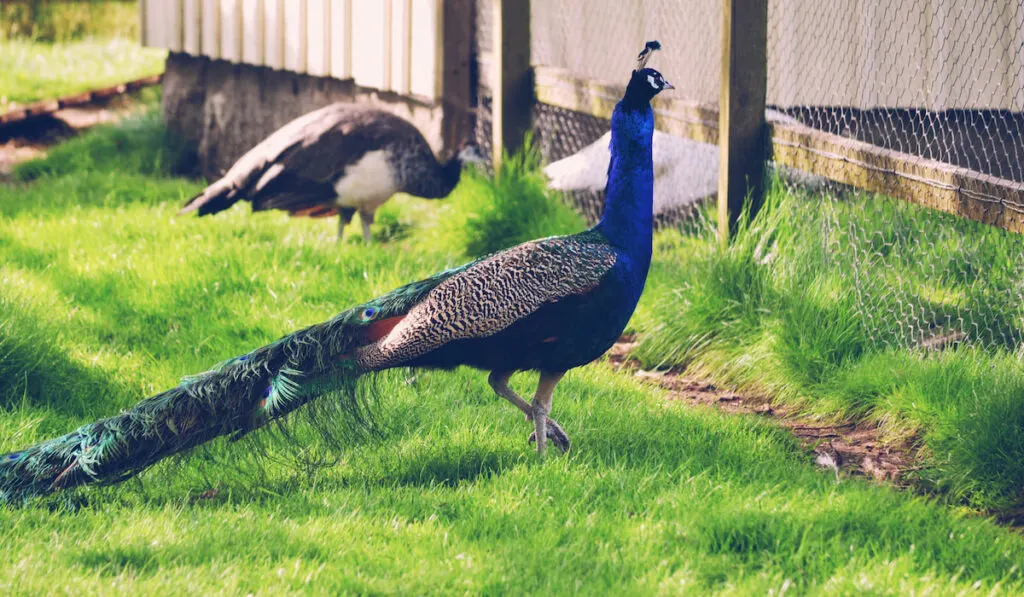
<point x="556" y="434"/>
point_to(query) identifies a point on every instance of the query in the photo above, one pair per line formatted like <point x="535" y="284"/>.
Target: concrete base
<point x="221" y="109"/>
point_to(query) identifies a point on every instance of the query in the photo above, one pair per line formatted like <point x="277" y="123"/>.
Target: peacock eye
<point x="369" y="313"/>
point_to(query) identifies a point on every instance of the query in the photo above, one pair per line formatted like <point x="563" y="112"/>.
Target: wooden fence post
<point x="512" y="102"/>
<point x="742" y="141"/>
<point x="456" y="80"/>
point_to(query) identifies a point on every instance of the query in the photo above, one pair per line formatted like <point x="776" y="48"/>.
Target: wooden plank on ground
<point x="79" y="99"/>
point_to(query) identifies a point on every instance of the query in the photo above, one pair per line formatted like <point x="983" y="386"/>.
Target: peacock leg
<point x="544" y="427"/>
<point x="499" y="383"/>
<point x="344" y="217"/>
<point x="366" y="218"/>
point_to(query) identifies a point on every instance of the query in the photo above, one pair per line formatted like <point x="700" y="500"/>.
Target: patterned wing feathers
<point x="491" y="295"/>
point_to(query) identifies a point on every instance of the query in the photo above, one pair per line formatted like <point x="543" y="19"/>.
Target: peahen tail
<point x="238" y="396"/>
<point x="217" y="197"/>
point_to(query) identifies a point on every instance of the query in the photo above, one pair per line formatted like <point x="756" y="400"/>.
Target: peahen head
<point x="469" y="153"/>
<point x="645" y="83"/>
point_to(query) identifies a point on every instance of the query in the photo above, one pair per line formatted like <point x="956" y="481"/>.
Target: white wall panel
<point x="318" y="37"/>
<point x="295" y="36"/>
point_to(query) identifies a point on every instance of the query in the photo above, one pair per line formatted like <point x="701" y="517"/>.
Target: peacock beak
<point x="668" y="86"/>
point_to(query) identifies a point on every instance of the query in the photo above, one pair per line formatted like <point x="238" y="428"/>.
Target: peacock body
<point x="548" y="305"/>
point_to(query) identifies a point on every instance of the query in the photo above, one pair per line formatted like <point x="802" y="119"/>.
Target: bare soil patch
<point x="851" y="448"/>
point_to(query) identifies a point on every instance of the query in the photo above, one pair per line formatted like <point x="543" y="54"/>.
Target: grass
<point x="48" y="20"/>
<point x="108" y="297"/>
<point x="33" y="70"/>
<point x="829" y="304"/>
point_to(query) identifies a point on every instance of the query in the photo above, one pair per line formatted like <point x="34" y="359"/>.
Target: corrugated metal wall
<point x="390" y="45"/>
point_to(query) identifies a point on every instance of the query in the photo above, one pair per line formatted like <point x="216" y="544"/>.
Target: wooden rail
<point x="50" y="106"/>
<point x="930" y="183"/>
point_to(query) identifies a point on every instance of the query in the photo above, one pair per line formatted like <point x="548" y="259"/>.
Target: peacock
<point x="548" y="305"/>
<point x="337" y="160"/>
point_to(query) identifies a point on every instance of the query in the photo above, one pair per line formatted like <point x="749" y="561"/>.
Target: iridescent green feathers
<point x="233" y="399"/>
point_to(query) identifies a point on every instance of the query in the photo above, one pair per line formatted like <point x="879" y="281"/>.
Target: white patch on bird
<point x="367" y="183"/>
<point x="653" y="82"/>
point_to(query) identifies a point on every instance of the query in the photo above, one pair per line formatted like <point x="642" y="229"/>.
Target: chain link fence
<point x="937" y="81"/>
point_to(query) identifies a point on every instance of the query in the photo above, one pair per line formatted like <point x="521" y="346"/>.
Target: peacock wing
<point x="492" y="294"/>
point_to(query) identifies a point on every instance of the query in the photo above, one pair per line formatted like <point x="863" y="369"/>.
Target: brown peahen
<point x="548" y="305"/>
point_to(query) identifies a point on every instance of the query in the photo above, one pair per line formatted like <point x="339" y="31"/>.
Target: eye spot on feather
<point x="369" y="313"/>
<point x="15" y="456"/>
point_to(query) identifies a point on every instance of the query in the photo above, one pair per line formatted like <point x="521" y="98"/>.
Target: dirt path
<point x="852" y="448"/>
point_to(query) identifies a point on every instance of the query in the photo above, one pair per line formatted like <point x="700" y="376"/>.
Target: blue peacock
<point x="547" y="305"/>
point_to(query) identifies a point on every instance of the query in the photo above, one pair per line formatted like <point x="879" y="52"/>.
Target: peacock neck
<point x="628" y="218"/>
<point x="442" y="180"/>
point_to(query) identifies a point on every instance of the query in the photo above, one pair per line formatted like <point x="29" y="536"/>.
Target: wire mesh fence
<point x="941" y="80"/>
<point x="935" y="86"/>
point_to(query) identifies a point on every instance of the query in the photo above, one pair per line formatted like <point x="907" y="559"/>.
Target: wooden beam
<point x="512" y="99"/>
<point x="454" y="61"/>
<point x="742" y="147"/>
<point x="937" y="185"/>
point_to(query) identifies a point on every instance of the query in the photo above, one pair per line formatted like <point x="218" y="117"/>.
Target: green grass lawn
<point x="107" y="297"/>
<point x="37" y="70"/>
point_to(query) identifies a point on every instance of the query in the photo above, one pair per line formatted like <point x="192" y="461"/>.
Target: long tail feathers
<point x="238" y="396"/>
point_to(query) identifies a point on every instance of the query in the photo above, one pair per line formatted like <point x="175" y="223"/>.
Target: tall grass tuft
<point x="823" y="304"/>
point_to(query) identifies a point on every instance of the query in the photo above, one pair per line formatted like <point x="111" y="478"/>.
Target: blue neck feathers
<point x="628" y="218"/>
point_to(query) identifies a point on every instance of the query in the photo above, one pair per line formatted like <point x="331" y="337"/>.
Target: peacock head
<point x="646" y="82"/>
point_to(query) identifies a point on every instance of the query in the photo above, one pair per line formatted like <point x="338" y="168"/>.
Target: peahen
<point x="337" y="160"/>
<point x="548" y="305"/>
